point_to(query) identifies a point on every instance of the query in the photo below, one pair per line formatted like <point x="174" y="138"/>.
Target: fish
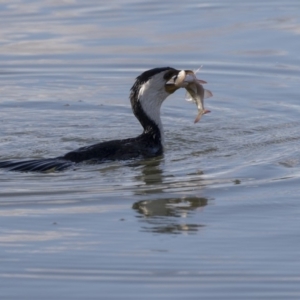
<point x="196" y="93"/>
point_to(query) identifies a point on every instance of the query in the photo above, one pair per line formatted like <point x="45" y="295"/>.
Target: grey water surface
<point x="217" y="217"/>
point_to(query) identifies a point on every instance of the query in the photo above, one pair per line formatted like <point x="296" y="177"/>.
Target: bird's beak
<point x="183" y="79"/>
<point x="177" y="80"/>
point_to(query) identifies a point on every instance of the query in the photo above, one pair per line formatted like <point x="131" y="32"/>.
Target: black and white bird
<point x="147" y="94"/>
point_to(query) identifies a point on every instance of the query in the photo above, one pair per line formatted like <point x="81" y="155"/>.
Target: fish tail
<point x="37" y="165"/>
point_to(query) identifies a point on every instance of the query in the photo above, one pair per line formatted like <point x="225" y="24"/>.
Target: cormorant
<point x="147" y="94"/>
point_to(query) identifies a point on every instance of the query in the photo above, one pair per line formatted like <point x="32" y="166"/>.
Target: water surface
<point x="216" y="217"/>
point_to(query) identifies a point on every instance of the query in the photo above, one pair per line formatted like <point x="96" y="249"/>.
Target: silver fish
<point x="195" y="90"/>
<point x="196" y="93"/>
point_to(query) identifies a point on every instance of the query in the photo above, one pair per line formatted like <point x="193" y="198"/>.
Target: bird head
<point x="157" y="84"/>
<point x="149" y="91"/>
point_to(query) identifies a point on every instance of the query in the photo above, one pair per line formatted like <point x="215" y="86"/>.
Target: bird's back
<point x="142" y="146"/>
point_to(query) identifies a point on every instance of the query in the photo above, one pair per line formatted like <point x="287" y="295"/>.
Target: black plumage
<point x="148" y="144"/>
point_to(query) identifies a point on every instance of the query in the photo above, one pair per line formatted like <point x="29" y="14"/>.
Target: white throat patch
<point x="151" y="96"/>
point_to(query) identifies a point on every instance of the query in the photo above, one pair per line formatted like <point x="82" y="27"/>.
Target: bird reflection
<point x="165" y="215"/>
<point x="169" y="215"/>
<point x="151" y="171"/>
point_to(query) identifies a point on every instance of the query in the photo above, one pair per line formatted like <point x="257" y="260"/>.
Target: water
<point x="216" y="217"/>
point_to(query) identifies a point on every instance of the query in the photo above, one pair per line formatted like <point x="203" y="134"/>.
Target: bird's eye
<point x="172" y="80"/>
